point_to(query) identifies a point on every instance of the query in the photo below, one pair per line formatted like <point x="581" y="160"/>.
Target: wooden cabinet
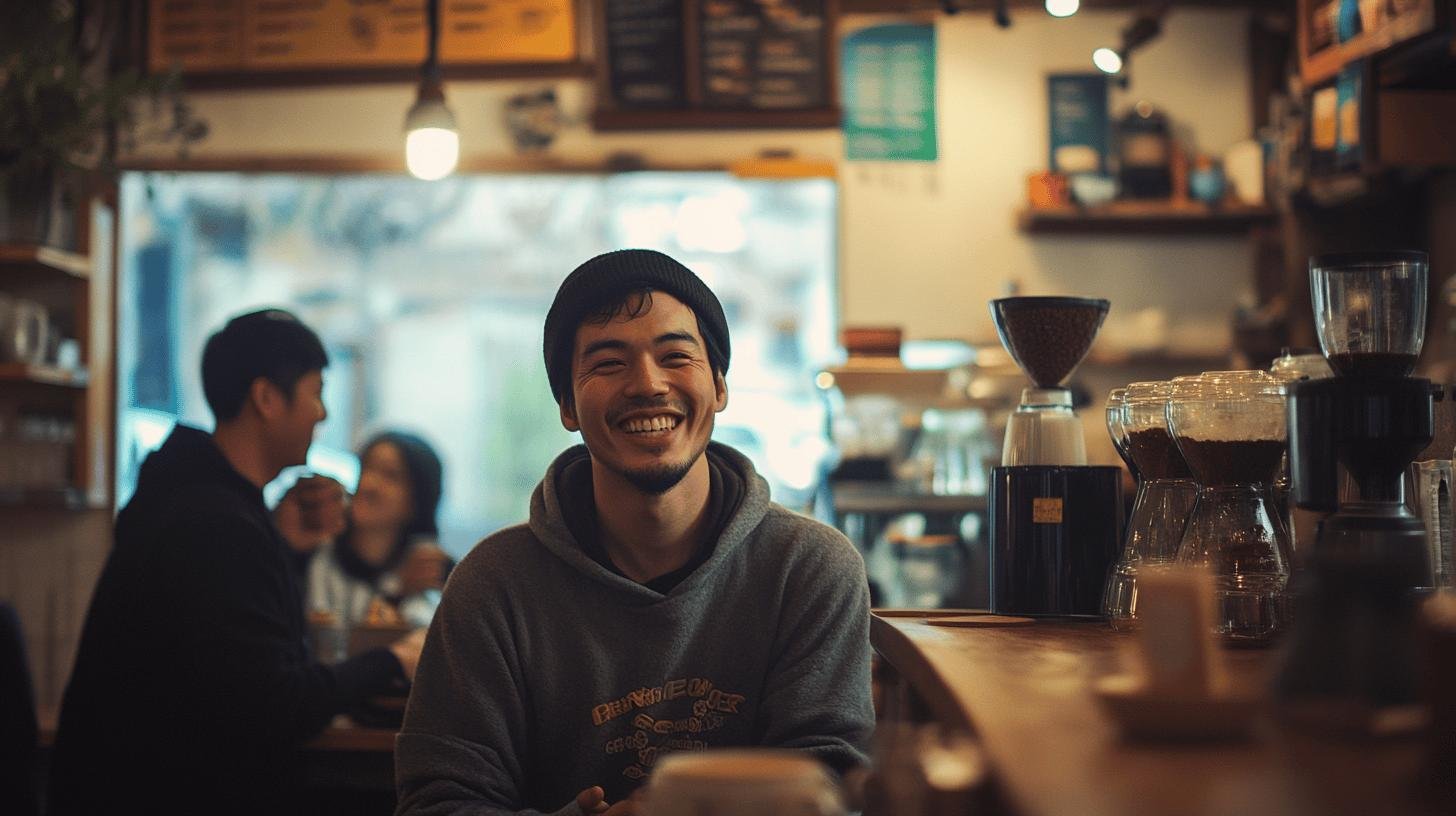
<point x="1380" y="83"/>
<point x="1375" y="27"/>
<point x="50" y="560"/>
<point x="56" y="500"/>
<point x="55" y="402"/>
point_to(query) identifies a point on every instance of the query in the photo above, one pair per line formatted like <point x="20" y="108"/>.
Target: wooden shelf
<point x="1142" y="218"/>
<point x="47" y="498"/>
<point x="43" y="375"/>
<point x="59" y="260"/>
<point x="1202" y="361"/>
<point x="701" y="119"/>
<point x="1322" y="66"/>
<point x="886" y="498"/>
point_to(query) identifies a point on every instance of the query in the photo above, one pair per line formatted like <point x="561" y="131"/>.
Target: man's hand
<point x="423" y="568"/>
<point x="593" y="801"/>
<point x="311" y="512"/>
<point x="407" y="651"/>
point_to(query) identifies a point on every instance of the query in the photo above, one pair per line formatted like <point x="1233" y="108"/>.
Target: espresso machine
<point x="1056" y="523"/>
<point x="1353" y="648"/>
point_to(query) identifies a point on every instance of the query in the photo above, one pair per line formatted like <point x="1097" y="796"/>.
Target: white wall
<point x="922" y="245"/>
<point x="930" y="255"/>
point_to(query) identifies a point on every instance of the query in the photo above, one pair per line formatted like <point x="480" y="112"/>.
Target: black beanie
<point x="608" y="278"/>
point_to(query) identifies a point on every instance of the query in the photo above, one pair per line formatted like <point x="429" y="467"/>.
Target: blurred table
<point x="1024" y="693"/>
<point x="344" y="757"/>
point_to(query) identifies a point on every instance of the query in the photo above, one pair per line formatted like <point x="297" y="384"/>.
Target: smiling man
<point x="655" y="601"/>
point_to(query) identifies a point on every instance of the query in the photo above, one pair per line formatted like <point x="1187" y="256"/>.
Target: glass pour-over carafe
<point x="1116" y="431"/>
<point x="1165" y="496"/>
<point x="1230" y="427"/>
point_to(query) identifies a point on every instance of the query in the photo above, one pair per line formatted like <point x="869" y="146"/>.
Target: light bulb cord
<point x="431" y="67"/>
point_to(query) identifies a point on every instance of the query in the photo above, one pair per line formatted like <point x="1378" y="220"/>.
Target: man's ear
<point x="720" y="392"/>
<point x="266" y="398"/>
<point x="568" y="415"/>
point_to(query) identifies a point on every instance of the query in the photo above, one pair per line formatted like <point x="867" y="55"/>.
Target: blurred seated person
<point x="373" y="559"/>
<point x="194" y="685"/>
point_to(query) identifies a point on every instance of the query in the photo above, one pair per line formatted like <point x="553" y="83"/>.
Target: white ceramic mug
<point x="742" y="783"/>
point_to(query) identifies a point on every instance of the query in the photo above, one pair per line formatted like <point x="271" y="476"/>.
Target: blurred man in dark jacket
<point x="194" y="682"/>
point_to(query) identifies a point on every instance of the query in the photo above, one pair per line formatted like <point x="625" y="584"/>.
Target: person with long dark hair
<point x="378" y="547"/>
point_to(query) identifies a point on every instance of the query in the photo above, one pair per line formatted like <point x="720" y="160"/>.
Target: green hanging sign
<point x="888" y="93"/>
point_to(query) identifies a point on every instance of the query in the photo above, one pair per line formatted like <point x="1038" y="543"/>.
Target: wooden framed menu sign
<point x="706" y="63"/>
<point x="254" y="40"/>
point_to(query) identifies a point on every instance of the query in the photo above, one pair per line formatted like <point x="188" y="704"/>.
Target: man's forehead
<point x="663" y="314"/>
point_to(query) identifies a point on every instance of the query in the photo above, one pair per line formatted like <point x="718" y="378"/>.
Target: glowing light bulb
<point x="431" y="153"/>
<point x="431" y="145"/>
<point x="1062" y="8"/>
<point x="1107" y="60"/>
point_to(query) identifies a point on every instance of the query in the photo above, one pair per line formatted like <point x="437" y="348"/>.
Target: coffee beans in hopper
<point x="1049" y="336"/>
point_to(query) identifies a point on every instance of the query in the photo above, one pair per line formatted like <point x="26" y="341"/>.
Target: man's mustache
<point x="645" y="404"/>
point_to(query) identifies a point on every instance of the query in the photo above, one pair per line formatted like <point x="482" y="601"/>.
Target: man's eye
<point x="606" y="365"/>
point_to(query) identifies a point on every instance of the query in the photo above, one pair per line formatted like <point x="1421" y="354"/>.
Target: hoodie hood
<point x="189" y="458"/>
<point x="548" y="524"/>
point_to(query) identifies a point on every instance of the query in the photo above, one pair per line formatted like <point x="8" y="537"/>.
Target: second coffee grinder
<point x="1353" y="649"/>
<point x="1056" y="523"/>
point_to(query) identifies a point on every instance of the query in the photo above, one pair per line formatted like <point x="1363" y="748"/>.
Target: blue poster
<point x="888" y="92"/>
<point x="1077" y="115"/>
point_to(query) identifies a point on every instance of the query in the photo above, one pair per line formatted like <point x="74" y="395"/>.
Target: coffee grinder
<point x="1056" y="523"/>
<point x="1353" y="649"/>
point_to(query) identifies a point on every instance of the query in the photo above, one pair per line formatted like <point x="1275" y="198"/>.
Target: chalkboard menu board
<point x="760" y="54"/>
<point x="719" y="55"/>
<point x="261" y="36"/>
<point x="645" y="52"/>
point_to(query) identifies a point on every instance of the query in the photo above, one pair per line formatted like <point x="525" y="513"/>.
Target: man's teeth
<point x="658" y="423"/>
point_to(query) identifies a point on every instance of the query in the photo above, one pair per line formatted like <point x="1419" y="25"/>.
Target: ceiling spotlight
<point x="1107" y="60"/>
<point x="1143" y="29"/>
<point x="1062" y="8"/>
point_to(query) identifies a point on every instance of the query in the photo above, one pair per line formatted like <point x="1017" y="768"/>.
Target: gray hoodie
<point x="546" y="673"/>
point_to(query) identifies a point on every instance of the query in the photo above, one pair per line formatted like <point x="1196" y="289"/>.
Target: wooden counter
<point x="1024" y="692"/>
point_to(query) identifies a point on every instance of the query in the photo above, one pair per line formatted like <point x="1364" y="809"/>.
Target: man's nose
<point x="647" y="379"/>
